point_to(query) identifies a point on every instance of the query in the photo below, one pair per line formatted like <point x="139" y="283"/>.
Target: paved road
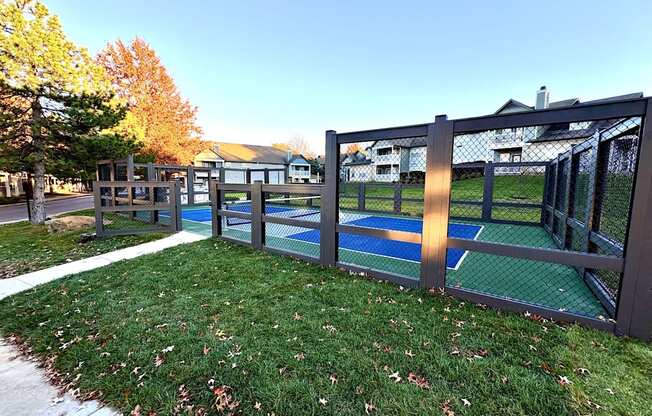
<point x="56" y="206"/>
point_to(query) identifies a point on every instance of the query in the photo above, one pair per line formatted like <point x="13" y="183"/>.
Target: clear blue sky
<point x="265" y="71"/>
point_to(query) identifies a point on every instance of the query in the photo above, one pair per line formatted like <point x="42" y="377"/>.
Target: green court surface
<point x="539" y="283"/>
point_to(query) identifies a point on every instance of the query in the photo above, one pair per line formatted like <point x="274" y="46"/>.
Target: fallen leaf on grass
<point x="323" y="401"/>
<point x="159" y="360"/>
<point x="466" y="402"/>
<point x="396" y="377"/>
<point x="333" y="378"/>
<point x="446" y="408"/>
<point x="223" y="399"/>
<point x="563" y="380"/>
<point x="419" y="381"/>
<point x="369" y="407"/>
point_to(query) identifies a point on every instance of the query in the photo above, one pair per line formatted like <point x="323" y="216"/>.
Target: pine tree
<point x="53" y="96"/>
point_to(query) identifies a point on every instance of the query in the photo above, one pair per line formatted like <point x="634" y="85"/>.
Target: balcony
<point x="387" y="177"/>
<point x="506" y="140"/>
<point x="299" y="173"/>
<point x="387" y="159"/>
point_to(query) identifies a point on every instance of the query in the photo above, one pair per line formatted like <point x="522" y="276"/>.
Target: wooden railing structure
<point x="149" y="197"/>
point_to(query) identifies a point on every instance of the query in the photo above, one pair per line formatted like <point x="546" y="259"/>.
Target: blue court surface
<point x="356" y="242"/>
<point x="393" y="248"/>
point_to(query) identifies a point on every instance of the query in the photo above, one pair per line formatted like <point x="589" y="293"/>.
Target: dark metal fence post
<point x="216" y="205"/>
<point x="130" y="178"/>
<point x="488" y="192"/>
<point x="330" y="203"/>
<point x="151" y="176"/>
<point x="436" y="203"/>
<point x="573" y="163"/>
<point x="361" y="196"/>
<point x="266" y="175"/>
<point x="99" y="216"/>
<point x="190" y="184"/>
<point x="257" y="225"/>
<point x="634" y="314"/>
<point x="397" y="197"/>
<point x="176" y="206"/>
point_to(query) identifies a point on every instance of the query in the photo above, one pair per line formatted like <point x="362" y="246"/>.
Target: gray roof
<point x="570" y="102"/>
<point x="357" y="158"/>
<point x="407" y="142"/>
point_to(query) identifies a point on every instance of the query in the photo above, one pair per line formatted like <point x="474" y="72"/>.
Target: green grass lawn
<point x="516" y="188"/>
<point x="213" y="325"/>
<point x="26" y="248"/>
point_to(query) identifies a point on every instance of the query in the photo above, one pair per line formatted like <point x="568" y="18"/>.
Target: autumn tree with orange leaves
<point x="158" y="117"/>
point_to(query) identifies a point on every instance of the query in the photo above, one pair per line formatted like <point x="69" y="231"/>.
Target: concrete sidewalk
<point x="18" y="284"/>
<point x="25" y="391"/>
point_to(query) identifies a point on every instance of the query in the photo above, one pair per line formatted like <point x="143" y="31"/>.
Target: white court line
<point x="459" y="262"/>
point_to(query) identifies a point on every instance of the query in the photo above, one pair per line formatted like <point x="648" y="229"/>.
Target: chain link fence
<point x="382" y="188"/>
<point x="561" y="186"/>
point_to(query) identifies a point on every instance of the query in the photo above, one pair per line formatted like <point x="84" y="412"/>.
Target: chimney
<point x="543" y="97"/>
<point x="289" y="155"/>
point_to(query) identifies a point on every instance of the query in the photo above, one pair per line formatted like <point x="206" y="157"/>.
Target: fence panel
<point x="136" y="207"/>
<point x="381" y="202"/>
<point x="544" y="184"/>
<point x="271" y="220"/>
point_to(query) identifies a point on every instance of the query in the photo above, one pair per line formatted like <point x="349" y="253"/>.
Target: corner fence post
<point x="257" y="225"/>
<point x="329" y="203"/>
<point x="436" y="203"/>
<point x="488" y="191"/>
<point x="99" y="216"/>
<point x="216" y="205"/>
<point x="634" y="313"/>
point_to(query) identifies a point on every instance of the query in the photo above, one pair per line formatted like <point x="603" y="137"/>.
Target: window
<point x="559" y="127"/>
<point x="211" y="164"/>
<point x="579" y="125"/>
<point x="383" y="169"/>
<point x="384" y="151"/>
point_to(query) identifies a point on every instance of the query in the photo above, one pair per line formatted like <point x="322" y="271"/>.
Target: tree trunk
<point x="38" y="203"/>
